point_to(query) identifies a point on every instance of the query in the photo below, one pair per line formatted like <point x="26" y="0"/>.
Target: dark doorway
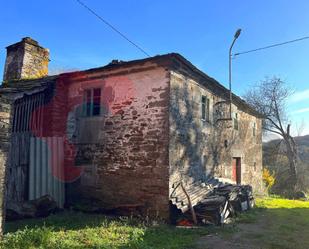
<point x="236" y="170"/>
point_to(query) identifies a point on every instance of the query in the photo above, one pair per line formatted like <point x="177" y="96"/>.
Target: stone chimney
<point x="26" y="60"/>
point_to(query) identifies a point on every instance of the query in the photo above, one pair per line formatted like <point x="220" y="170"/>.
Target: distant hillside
<point x="303" y="147"/>
<point x="275" y="159"/>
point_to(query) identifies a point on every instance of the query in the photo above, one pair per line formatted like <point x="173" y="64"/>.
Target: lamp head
<point x="237" y="33"/>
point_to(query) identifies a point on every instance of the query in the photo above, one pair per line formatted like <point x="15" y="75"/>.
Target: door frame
<point x="236" y="169"/>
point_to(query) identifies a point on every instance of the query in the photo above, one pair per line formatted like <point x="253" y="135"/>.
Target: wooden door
<point x="236" y="170"/>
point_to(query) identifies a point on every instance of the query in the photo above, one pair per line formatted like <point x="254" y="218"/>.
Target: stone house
<point x="125" y="134"/>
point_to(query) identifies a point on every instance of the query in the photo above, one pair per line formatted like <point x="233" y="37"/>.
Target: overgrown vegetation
<point x="274" y="223"/>
<point x="78" y="230"/>
<point x="268" y="178"/>
<point x="275" y="159"/>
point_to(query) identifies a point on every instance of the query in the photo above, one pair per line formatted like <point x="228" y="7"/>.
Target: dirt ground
<point x="243" y="238"/>
<point x="271" y="228"/>
<point x="256" y="235"/>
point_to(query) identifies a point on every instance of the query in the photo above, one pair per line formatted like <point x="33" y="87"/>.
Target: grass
<point x="275" y="223"/>
<point x="278" y="223"/>
<point x="78" y="230"/>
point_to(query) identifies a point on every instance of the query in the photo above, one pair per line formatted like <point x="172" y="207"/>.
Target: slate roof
<point x="174" y="61"/>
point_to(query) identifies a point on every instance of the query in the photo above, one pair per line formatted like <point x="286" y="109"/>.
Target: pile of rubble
<point x="211" y="203"/>
<point x="41" y="207"/>
<point x="223" y="203"/>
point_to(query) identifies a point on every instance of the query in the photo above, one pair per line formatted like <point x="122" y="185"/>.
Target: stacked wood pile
<point x="215" y="205"/>
<point x="224" y="203"/>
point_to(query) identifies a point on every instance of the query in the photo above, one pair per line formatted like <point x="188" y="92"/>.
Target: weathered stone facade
<point x="153" y="135"/>
<point x="205" y="148"/>
<point x="125" y="152"/>
<point x="149" y="132"/>
<point x="5" y="131"/>
<point x="26" y="60"/>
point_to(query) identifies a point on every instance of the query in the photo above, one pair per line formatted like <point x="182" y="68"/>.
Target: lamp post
<point x="230" y="68"/>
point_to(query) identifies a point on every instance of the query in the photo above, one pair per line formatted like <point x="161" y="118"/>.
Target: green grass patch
<point x="248" y="217"/>
<point x="273" y="203"/>
<point x="78" y="230"/>
<point x="278" y="223"/>
<point x="274" y="223"/>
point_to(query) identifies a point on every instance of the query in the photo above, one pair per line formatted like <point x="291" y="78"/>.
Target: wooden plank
<point x="22" y="116"/>
<point x="28" y="114"/>
<point x="17" y="117"/>
<point x="31" y="112"/>
<point x="18" y="185"/>
<point x="39" y="114"/>
<point x="189" y="204"/>
<point x="14" y="119"/>
<point x="35" y="123"/>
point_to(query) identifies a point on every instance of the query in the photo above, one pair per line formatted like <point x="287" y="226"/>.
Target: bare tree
<point x="269" y="98"/>
<point x="300" y="127"/>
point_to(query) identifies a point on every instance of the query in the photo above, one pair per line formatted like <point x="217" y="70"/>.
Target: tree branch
<point x="270" y="130"/>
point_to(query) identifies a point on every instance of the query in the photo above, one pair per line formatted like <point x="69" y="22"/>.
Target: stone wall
<point x="36" y="59"/>
<point x="26" y="60"/>
<point x="13" y="63"/>
<point x="249" y="148"/>
<point x="124" y="151"/>
<point x="200" y="149"/>
<point x="5" y="131"/>
<point x="187" y="130"/>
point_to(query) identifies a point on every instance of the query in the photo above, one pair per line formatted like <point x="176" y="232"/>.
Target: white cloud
<point x="306" y="131"/>
<point x="300" y="96"/>
<point x="270" y="136"/>
<point x="303" y="110"/>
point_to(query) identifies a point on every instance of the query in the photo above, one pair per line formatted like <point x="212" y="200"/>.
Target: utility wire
<point x="271" y="46"/>
<point x="112" y="27"/>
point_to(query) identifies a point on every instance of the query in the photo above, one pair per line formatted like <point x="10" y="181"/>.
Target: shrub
<point x="268" y="178"/>
<point x="37" y="237"/>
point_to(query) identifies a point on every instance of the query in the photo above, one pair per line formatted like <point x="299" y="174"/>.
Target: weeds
<point x="78" y="230"/>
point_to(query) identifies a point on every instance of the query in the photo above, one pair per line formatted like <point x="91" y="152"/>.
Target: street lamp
<point x="230" y="68"/>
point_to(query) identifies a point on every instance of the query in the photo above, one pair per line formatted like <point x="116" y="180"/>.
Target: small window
<point x="235" y="120"/>
<point x="254" y="129"/>
<point x="92" y="102"/>
<point x="205" y="108"/>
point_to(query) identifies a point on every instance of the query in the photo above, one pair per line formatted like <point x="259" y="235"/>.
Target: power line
<point x="271" y="46"/>
<point x="112" y="27"/>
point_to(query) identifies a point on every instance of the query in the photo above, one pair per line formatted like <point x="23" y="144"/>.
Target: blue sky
<point x="199" y="30"/>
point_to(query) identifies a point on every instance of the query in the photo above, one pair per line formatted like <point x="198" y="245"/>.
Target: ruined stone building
<point x="125" y="134"/>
